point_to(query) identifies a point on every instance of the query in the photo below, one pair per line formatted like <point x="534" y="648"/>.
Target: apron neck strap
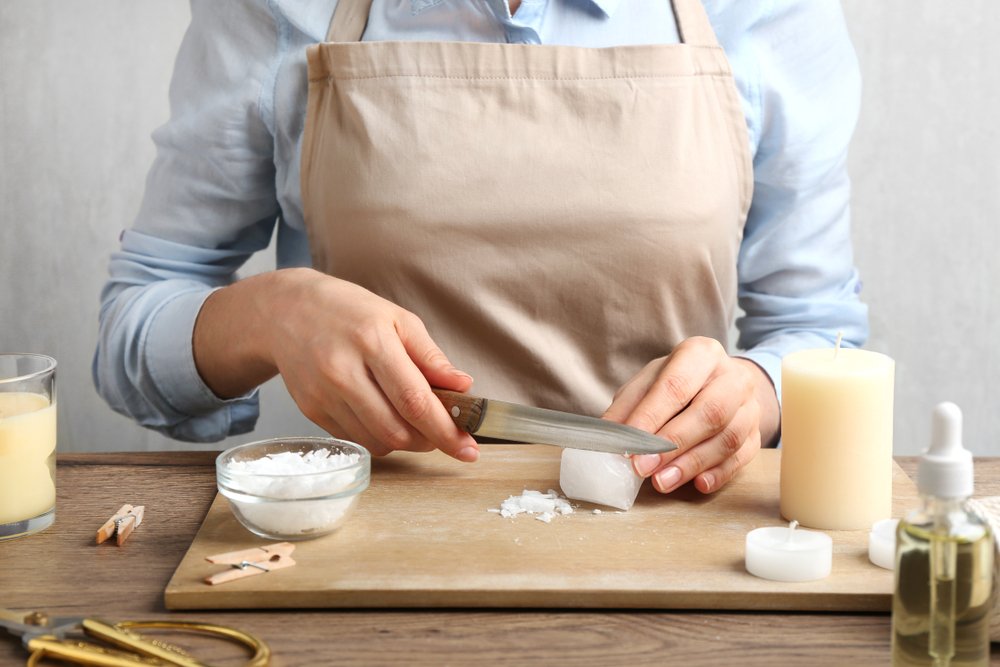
<point x="692" y="23"/>
<point x="351" y="16"/>
<point x="349" y="20"/>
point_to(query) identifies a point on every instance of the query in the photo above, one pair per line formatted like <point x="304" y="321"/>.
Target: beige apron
<point x="556" y="216"/>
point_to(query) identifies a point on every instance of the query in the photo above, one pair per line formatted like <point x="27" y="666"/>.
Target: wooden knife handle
<point x="465" y="410"/>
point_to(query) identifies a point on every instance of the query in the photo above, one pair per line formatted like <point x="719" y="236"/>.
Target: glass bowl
<point x="309" y="487"/>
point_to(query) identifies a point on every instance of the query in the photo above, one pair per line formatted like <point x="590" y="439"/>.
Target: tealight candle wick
<point x="836" y="349"/>
<point x="791" y="531"/>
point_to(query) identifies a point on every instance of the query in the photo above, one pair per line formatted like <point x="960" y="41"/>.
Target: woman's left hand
<point x="718" y="410"/>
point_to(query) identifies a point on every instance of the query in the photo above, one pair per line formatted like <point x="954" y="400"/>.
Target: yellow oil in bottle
<point x="944" y="587"/>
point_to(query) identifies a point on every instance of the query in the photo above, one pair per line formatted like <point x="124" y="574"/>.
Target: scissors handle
<point x="80" y="653"/>
<point x="146" y="652"/>
<point x="120" y="637"/>
<point x="261" y="651"/>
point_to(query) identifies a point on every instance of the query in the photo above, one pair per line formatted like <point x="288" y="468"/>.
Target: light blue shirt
<point x="227" y="173"/>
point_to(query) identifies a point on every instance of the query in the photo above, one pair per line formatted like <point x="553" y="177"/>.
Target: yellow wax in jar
<point x="836" y="438"/>
<point x="27" y="456"/>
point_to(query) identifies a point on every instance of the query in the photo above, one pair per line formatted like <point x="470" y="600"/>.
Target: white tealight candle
<point x="786" y="554"/>
<point x="882" y="543"/>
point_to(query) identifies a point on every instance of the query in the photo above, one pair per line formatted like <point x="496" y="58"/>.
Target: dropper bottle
<point x="944" y="560"/>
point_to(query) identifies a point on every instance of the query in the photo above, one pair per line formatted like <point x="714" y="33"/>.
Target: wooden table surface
<point x="62" y="572"/>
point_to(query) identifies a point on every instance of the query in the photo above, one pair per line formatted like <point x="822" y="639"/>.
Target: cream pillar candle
<point x="836" y="438"/>
<point x="27" y="456"/>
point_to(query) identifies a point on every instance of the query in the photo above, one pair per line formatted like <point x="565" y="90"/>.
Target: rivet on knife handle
<point x="465" y="410"/>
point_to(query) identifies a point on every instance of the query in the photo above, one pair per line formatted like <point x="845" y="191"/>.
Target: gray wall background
<point x="82" y="86"/>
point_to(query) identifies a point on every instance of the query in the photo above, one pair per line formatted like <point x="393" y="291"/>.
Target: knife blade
<point x="523" y="423"/>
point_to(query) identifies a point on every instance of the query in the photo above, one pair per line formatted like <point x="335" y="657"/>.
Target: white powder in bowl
<point x="281" y="478"/>
<point x="290" y="474"/>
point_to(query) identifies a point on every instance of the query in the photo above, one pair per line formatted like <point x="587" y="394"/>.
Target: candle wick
<point x="791" y="530"/>
<point x="836" y="349"/>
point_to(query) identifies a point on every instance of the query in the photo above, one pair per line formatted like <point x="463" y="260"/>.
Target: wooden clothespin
<point x="121" y="524"/>
<point x="249" y="562"/>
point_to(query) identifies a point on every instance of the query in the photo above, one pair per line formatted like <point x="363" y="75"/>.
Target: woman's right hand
<point x="356" y="364"/>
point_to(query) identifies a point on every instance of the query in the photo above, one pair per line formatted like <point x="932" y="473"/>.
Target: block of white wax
<point x="599" y="477"/>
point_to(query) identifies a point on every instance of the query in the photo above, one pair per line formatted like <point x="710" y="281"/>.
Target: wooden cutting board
<point x="422" y="537"/>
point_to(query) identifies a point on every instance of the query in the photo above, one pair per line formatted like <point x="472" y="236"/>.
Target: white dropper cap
<point x="945" y="469"/>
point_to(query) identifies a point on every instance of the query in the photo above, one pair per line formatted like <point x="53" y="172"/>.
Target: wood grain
<point x="465" y="410"/>
<point x="61" y="571"/>
<point x="422" y="537"/>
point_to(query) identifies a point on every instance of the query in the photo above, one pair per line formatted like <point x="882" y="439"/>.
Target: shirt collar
<point x="607" y="6"/>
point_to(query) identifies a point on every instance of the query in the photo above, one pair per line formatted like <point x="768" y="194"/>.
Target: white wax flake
<point x="597" y="511"/>
<point x="290" y="476"/>
<point x="544" y="506"/>
<point x="537" y="504"/>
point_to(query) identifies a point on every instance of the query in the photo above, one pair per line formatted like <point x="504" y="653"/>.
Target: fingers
<point x="716" y="459"/>
<point x="715" y="478"/>
<point x="339" y="420"/>
<point x="703" y="401"/>
<point x="428" y="357"/>
<point x="407" y="390"/>
<point x="319" y="404"/>
<point x="632" y="392"/>
<point x="358" y="365"/>
<point x="343" y="423"/>
<point x="665" y="387"/>
<point x="711" y="410"/>
<point x="687" y="370"/>
<point x="366" y="400"/>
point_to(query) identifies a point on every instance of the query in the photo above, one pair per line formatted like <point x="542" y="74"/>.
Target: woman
<point x="567" y="203"/>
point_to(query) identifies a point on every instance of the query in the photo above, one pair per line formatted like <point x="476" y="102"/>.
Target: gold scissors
<point x="61" y="638"/>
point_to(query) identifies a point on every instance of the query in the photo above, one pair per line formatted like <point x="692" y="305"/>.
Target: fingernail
<point x="708" y="481"/>
<point x="644" y="465"/>
<point x="667" y="479"/>
<point x="468" y="454"/>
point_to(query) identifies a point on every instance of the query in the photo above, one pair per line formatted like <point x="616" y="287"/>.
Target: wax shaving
<point x="543" y="506"/>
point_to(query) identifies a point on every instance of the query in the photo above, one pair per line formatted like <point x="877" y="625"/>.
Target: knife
<point x="522" y="423"/>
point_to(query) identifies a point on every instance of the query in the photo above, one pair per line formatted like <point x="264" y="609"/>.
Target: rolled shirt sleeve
<point x="798" y="286"/>
<point x="209" y="204"/>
